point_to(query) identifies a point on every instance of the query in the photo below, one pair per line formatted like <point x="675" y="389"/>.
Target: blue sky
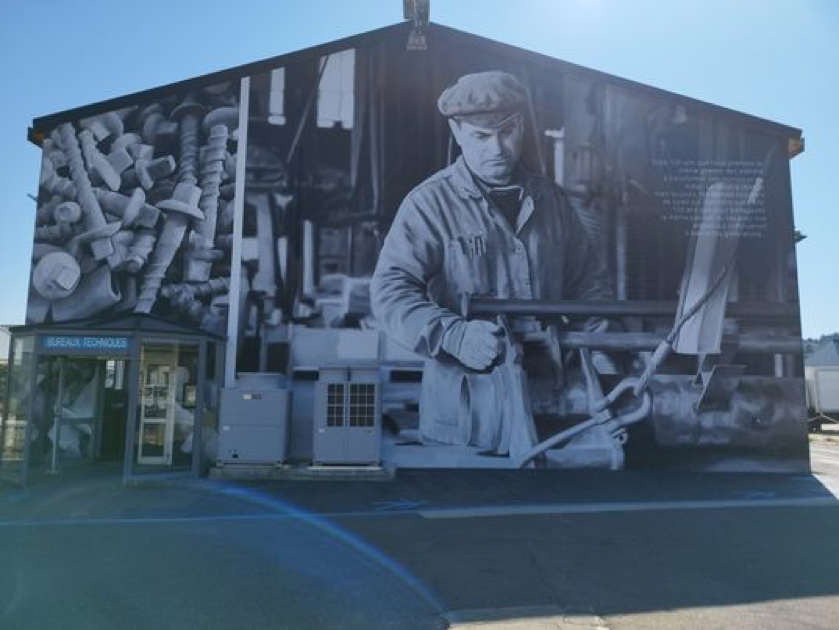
<point x="772" y="58"/>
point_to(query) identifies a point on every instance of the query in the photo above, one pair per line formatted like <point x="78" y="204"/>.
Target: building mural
<point x="550" y="266"/>
<point x="135" y="212"/>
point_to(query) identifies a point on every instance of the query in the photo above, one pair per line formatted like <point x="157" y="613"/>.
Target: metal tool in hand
<point x="637" y="386"/>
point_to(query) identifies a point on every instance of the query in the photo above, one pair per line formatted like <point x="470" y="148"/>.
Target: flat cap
<point x="493" y="92"/>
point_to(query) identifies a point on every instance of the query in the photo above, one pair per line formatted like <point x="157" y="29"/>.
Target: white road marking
<point x="633" y="506"/>
<point x="210" y="518"/>
<point x="549" y="617"/>
<point x="824" y="449"/>
<point x="819" y="457"/>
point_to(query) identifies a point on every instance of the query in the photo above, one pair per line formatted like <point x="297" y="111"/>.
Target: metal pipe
<point x="647" y="342"/>
<point x="473" y="306"/>
<point x="618" y="422"/>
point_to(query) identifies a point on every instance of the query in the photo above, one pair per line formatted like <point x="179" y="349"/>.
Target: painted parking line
<point x="824" y="462"/>
<point x="824" y="449"/>
<point x="209" y="518"/>
<point x="621" y="506"/>
<point x="522" y="617"/>
<point x="450" y="513"/>
<point x="818" y="457"/>
<point x="823" y="456"/>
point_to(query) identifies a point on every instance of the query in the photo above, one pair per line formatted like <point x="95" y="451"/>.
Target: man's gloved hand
<point x="476" y="344"/>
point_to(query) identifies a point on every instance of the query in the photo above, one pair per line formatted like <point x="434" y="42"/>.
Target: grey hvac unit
<point x="348" y="422"/>
<point x="254" y="424"/>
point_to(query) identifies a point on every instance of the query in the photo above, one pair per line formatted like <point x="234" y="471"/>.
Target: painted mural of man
<point x="483" y="226"/>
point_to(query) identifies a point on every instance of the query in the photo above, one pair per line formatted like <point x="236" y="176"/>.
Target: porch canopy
<point x="170" y="374"/>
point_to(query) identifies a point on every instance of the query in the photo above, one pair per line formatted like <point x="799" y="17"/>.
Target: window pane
<point x="13" y="430"/>
<point x="335" y="93"/>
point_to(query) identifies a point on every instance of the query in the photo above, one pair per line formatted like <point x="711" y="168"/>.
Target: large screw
<point x="229" y="166"/>
<point x="54" y="153"/>
<point x="133" y="143"/>
<point x="199" y="313"/>
<point x="120" y="160"/>
<point x="145" y="173"/>
<point x="67" y="212"/>
<point x="55" y="234"/>
<point x="97" y="166"/>
<point x="39" y="250"/>
<point x="98" y="231"/>
<point x="156" y="129"/>
<point x="224" y="222"/>
<point x="126" y="141"/>
<point x="121" y="240"/>
<point x="103" y="125"/>
<point x="198" y="260"/>
<point x="139" y="251"/>
<point x="228" y="191"/>
<point x="227" y="116"/>
<point x="65" y="215"/>
<point x="213" y="286"/>
<point x="98" y="290"/>
<point x="224" y="242"/>
<point x="141" y="151"/>
<point x="131" y="210"/>
<point x="54" y="183"/>
<point x="128" y="288"/>
<point x="188" y="114"/>
<point x="163" y="189"/>
<point x="44" y="213"/>
<point x="179" y="210"/>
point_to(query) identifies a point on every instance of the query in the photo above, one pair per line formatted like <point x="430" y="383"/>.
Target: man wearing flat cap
<point x="482" y="226"/>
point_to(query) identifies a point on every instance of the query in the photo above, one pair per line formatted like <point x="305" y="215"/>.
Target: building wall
<point x="135" y="212"/>
<point x="670" y="194"/>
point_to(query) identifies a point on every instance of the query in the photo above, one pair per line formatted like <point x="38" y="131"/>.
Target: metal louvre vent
<point x="347" y="427"/>
<point x="362" y="404"/>
<point x="335" y="405"/>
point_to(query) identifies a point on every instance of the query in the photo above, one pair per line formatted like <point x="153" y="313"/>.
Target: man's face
<point x="491" y="153"/>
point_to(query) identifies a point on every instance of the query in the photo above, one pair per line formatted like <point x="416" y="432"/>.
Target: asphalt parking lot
<point x="431" y="549"/>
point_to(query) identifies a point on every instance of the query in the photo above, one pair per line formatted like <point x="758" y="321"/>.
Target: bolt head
<point x="133" y="207"/>
<point x="197" y="270"/>
<point x="56" y="276"/>
<point x="189" y="106"/>
<point x="67" y="212"/>
<point x="184" y="200"/>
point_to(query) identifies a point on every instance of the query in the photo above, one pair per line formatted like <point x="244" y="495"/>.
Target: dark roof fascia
<point x="119" y="322"/>
<point x="46" y="123"/>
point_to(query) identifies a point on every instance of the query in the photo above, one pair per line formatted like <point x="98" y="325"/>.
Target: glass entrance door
<point x="17" y="410"/>
<point x="157" y="410"/>
<point x="164" y="438"/>
<point x="79" y="402"/>
<point x="76" y="410"/>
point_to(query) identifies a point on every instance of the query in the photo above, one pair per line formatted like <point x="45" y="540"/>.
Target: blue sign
<point x="85" y="344"/>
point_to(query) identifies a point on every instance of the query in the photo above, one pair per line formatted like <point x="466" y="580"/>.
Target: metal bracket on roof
<point x="418" y="11"/>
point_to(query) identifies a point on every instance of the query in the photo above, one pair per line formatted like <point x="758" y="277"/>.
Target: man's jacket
<point x="448" y="240"/>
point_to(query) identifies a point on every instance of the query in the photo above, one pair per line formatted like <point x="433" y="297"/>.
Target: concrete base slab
<point x="303" y="473"/>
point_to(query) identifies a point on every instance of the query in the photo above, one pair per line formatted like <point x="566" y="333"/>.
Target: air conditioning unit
<point x="254" y="423"/>
<point x="348" y="416"/>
